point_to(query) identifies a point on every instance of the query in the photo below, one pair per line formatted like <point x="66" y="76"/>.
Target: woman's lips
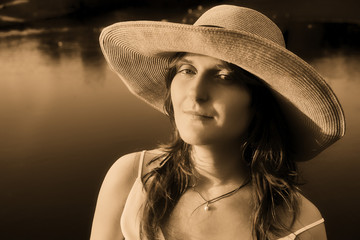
<point x="198" y="115"/>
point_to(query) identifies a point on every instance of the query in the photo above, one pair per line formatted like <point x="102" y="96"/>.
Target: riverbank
<point x="21" y="13"/>
<point x="305" y="36"/>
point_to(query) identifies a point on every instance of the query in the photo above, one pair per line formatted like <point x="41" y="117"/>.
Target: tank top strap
<point x="307" y="227"/>
<point x="293" y="235"/>
<point x="141" y="164"/>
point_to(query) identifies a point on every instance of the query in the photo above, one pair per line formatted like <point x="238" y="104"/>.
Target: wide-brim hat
<point x="140" y="53"/>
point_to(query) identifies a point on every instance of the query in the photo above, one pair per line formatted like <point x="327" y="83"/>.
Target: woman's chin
<point x="193" y="139"/>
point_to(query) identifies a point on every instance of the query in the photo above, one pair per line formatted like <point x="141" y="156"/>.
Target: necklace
<point x="215" y="199"/>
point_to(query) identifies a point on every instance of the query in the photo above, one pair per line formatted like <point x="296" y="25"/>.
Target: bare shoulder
<point x="123" y="172"/>
<point x="125" y="168"/>
<point x="308" y="211"/>
<point x="112" y="197"/>
<point x="309" y="214"/>
<point x="114" y="192"/>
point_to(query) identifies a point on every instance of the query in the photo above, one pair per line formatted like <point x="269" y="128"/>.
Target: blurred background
<point x="65" y="117"/>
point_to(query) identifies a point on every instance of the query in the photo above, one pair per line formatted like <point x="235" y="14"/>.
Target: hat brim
<point x="140" y="52"/>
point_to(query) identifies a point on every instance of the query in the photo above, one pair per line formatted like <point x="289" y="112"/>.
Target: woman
<point x="244" y="110"/>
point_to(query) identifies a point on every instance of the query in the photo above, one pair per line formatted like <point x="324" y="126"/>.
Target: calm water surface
<point x="65" y="118"/>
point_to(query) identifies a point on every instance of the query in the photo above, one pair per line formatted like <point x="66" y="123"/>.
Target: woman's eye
<point x="226" y="78"/>
<point x="186" y="69"/>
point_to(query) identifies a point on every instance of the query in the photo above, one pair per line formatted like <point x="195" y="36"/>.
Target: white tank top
<point x="131" y="216"/>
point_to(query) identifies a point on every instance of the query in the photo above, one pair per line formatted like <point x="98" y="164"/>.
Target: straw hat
<point x="140" y="51"/>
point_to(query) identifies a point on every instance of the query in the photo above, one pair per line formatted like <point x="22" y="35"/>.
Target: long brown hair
<point x="267" y="151"/>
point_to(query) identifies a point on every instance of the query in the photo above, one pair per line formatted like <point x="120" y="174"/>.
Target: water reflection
<point x="65" y="118"/>
<point x="46" y="84"/>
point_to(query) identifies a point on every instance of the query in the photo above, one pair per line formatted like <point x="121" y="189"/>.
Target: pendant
<point x="207" y="207"/>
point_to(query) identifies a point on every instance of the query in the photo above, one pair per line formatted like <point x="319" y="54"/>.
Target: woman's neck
<point x="219" y="165"/>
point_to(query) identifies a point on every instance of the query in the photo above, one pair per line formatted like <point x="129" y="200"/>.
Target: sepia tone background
<point x="65" y="117"/>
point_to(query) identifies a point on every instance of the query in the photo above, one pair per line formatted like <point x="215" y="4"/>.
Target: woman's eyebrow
<point x="224" y="66"/>
<point x="184" y="61"/>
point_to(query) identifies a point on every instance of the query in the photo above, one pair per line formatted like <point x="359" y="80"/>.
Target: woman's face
<point x="211" y="106"/>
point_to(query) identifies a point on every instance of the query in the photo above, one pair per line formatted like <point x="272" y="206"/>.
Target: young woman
<point x="244" y="110"/>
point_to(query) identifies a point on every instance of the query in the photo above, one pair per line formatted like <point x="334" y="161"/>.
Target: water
<point x="65" y="118"/>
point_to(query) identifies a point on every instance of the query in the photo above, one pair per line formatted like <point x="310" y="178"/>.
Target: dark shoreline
<point x="22" y="13"/>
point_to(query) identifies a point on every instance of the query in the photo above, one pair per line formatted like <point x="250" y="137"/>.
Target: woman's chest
<point x="228" y="218"/>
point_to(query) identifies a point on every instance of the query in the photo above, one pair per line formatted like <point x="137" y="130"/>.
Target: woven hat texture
<point x="140" y="52"/>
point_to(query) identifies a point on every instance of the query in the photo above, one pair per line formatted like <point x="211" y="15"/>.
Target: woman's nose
<point x="199" y="89"/>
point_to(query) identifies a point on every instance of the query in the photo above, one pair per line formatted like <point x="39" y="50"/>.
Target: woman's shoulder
<point x="308" y="211"/>
<point x="121" y="175"/>
<point x="308" y="215"/>
<point x="113" y="194"/>
<point x="128" y="165"/>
